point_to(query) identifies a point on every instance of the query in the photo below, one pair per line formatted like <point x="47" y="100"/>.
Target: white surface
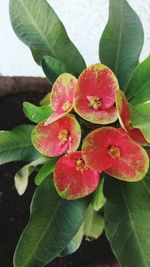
<point x="84" y="21"/>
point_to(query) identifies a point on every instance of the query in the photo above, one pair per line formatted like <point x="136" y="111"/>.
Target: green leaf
<point x="53" y="67"/>
<point x="16" y="145"/>
<point x="37" y="55"/>
<point x="36" y="113"/>
<point x="74" y="244"/>
<point x="45" y="100"/>
<point x="38" y="26"/>
<point x="52" y="225"/>
<point x="99" y="199"/>
<point x="92" y="227"/>
<point x="122" y="41"/>
<point x="22" y="176"/>
<point x="93" y="223"/>
<point x="45" y="170"/>
<point x="127" y="217"/>
<point x="139" y="84"/>
<point x="140" y="117"/>
<point x="144" y="108"/>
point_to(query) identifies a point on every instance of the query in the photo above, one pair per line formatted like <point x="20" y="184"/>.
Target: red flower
<point x="125" y="119"/>
<point x="57" y="138"/>
<point x="72" y="178"/>
<point x="62" y="96"/>
<point x="113" y="151"/>
<point x="95" y="95"/>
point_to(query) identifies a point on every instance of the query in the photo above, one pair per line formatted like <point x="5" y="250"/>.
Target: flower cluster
<point x="95" y="97"/>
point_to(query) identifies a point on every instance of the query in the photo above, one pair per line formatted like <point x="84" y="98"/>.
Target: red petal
<point x="137" y="136"/>
<point x="54" y="117"/>
<point x="125" y="119"/>
<point x="130" y="163"/>
<point x="123" y="110"/>
<point x="99" y="116"/>
<point x="72" y="183"/>
<point x="97" y="81"/>
<point x="62" y="96"/>
<point x="48" y="139"/>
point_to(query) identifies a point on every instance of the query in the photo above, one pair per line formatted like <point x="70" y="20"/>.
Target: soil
<point x="14" y="210"/>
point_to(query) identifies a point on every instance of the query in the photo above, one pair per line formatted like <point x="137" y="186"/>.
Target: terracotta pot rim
<point x="19" y="84"/>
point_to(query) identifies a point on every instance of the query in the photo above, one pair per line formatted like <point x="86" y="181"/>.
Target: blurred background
<point x="84" y="21"/>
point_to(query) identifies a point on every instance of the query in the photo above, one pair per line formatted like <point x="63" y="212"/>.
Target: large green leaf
<point x="74" y="243"/>
<point x="38" y="26"/>
<point x="139" y="85"/>
<point x="144" y="108"/>
<point x="36" y="113"/>
<point x="92" y="227"/>
<point x="16" y="145"/>
<point x="37" y="55"/>
<point x="52" y="225"/>
<point x="122" y="40"/>
<point x="127" y="221"/>
<point x="53" y="67"/>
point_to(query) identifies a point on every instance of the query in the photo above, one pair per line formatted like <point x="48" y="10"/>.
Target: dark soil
<point x="14" y="210"/>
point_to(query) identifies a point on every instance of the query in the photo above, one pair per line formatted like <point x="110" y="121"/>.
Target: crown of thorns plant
<point x="115" y="149"/>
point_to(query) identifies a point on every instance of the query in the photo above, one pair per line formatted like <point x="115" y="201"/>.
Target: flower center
<point x="94" y="102"/>
<point x="81" y="166"/>
<point x="114" y="152"/>
<point x="66" y="106"/>
<point x="64" y="136"/>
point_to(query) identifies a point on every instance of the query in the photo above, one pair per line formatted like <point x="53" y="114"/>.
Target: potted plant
<point x="90" y="144"/>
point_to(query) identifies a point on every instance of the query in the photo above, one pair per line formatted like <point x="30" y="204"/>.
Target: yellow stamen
<point x="66" y="106"/>
<point x="64" y="136"/>
<point x="114" y="152"/>
<point x="94" y="102"/>
<point x="81" y="166"/>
